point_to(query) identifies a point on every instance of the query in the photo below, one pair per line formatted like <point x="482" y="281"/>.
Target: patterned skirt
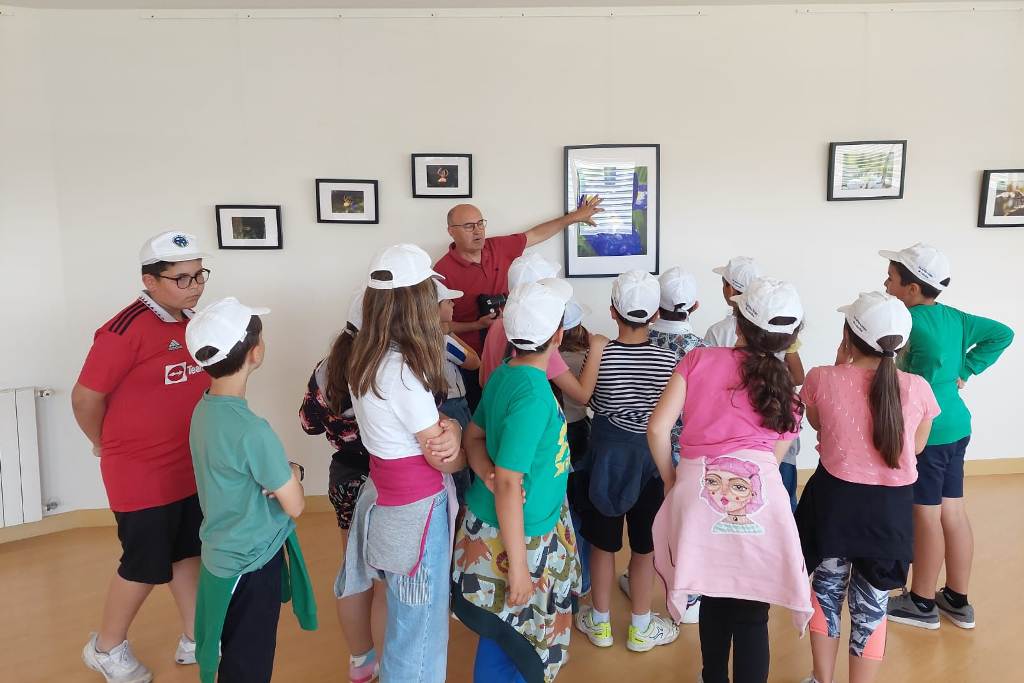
<point x="535" y="636"/>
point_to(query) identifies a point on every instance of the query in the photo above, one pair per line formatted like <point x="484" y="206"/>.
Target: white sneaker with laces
<point x="660" y="631"/>
<point x="186" y="652"/>
<point x="692" y="613"/>
<point x="117" y="666"/>
<point x="599" y="634"/>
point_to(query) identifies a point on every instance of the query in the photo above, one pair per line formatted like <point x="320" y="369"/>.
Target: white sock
<point x="359" y="660"/>
<point x="641" y="621"/>
<point x="600" y="617"/>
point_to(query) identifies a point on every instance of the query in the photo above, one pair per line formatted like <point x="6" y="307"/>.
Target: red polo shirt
<point x="139" y="360"/>
<point x="490" y="276"/>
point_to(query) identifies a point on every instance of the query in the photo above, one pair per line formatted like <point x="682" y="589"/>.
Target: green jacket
<point x="215" y="595"/>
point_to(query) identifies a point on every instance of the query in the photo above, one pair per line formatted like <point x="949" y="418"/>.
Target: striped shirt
<point x="629" y="383"/>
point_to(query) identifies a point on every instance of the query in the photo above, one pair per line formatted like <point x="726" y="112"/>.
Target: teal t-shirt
<point x="947" y="344"/>
<point x="236" y="455"/>
<point x="525" y="431"/>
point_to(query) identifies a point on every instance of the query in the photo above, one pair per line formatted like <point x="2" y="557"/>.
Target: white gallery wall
<point x="114" y="126"/>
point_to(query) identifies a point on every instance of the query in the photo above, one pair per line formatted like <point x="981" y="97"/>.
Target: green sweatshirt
<point x="947" y="344"/>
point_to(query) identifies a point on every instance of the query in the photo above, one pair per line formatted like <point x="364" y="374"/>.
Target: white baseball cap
<point x="575" y="312"/>
<point x="221" y="325"/>
<point x="534" y="311"/>
<point x="445" y="294"/>
<point x="678" y="289"/>
<point x="635" y="295"/>
<point x="355" y="308"/>
<point x="739" y="272"/>
<point x="875" y="315"/>
<point x="923" y="260"/>
<point x="531" y="267"/>
<point x="172" y="246"/>
<point x="767" y="298"/>
<point x="402" y="265"/>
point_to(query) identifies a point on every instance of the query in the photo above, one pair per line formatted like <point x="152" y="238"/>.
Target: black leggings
<point x="724" y="621"/>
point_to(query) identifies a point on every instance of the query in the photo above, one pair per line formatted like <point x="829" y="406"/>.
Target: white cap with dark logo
<point x="220" y="325"/>
<point x="678" y="289"/>
<point x="636" y="295"/>
<point x="739" y="272"/>
<point x="875" y="315"/>
<point x="767" y="299"/>
<point x="402" y="265"/>
<point x="172" y="247"/>
<point x="924" y="261"/>
<point x="534" y="311"/>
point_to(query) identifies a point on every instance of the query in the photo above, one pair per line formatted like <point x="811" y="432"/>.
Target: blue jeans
<point x="416" y="639"/>
<point x="492" y="665"/>
<point x="788" y="472"/>
<point x="458" y="410"/>
<point x="583" y="550"/>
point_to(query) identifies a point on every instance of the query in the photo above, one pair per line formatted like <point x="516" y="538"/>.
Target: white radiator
<point x="19" y="458"/>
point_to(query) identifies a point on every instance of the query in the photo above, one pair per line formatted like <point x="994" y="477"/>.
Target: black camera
<point x="490" y="304"/>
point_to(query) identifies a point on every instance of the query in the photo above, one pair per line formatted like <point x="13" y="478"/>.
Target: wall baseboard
<point x="78" y="519"/>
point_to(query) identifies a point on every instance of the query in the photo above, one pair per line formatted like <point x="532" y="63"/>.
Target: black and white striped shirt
<point x="629" y="383"/>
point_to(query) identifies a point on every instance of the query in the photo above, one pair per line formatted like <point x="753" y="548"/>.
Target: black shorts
<point x="153" y="539"/>
<point x="605" y="533"/>
<point x="345" y="480"/>
<point x="940" y="472"/>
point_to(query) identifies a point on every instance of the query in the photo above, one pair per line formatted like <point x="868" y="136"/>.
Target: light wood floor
<point x="52" y="590"/>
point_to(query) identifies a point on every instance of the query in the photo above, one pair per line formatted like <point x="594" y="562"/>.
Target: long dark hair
<point x="336" y="392"/>
<point x="575" y="339"/>
<point x="766" y="378"/>
<point x="884" y="397"/>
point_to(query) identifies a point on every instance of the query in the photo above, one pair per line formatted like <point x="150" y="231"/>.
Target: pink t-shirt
<point x="494" y="353"/>
<point x="718" y="418"/>
<point x="840" y="394"/>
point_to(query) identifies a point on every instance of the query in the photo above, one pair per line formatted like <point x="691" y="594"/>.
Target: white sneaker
<point x="624" y="583"/>
<point x="186" y="652"/>
<point x="117" y="666"/>
<point x="599" y="634"/>
<point x="660" y="631"/>
<point x="692" y="613"/>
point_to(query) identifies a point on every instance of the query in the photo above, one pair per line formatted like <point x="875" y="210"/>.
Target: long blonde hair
<point x="405" y="318"/>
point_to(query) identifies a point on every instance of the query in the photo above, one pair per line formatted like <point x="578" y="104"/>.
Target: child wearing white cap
<point x="618" y="473"/>
<point x="517" y="447"/>
<point x="855" y="515"/>
<point x="947" y="347"/>
<point x="250" y="494"/>
<point x="725" y="500"/>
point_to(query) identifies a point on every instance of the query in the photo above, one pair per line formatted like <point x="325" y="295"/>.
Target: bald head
<point x="460" y="214"/>
<point x="468" y="242"/>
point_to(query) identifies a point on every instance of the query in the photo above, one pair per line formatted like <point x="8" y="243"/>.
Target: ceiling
<point x="403" y="4"/>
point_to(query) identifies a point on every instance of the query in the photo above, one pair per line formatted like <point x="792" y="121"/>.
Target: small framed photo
<point x="1002" y="199"/>
<point x="442" y="175"/>
<point x="626" y="235"/>
<point x="346" y="201"/>
<point x="248" y="226"/>
<point x="866" y="170"/>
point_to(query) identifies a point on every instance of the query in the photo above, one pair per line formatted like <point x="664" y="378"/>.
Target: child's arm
<point x="921" y="435"/>
<point x="795" y="366"/>
<point x="580" y="390"/>
<point x="781" y="448"/>
<point x="291" y="496"/>
<point x="659" y="427"/>
<point x="475" y="441"/>
<point x="985" y="340"/>
<point x="508" y="503"/>
<point x="89" y="408"/>
<point x="437" y="457"/>
<point x="472" y="361"/>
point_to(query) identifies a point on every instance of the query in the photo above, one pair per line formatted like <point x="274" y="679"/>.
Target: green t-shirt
<point x="946" y="344"/>
<point x="236" y="455"/>
<point x="525" y="433"/>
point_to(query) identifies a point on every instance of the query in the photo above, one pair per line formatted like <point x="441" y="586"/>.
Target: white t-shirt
<point x="454" y="357"/>
<point x="723" y="334"/>
<point x="388" y="423"/>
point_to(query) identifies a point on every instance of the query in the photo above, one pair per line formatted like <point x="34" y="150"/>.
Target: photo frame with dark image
<point x="248" y="226"/>
<point x="866" y="170"/>
<point x="1002" y="199"/>
<point x="347" y="201"/>
<point x="442" y="175"/>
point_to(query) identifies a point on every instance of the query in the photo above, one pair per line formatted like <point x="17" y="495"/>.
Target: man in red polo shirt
<point x="134" y="401"/>
<point x="477" y="264"/>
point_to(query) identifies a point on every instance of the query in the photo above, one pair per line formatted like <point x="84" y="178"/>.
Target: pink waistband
<point x="404" y="481"/>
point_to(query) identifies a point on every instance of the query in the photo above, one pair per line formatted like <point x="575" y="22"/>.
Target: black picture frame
<point x="987" y="220"/>
<point x="421" y="191"/>
<point x="830" y="190"/>
<point x="337" y="217"/>
<point x="265" y="243"/>
<point x="569" y="234"/>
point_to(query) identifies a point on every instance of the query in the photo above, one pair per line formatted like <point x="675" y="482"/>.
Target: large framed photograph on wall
<point x="626" y="234"/>
<point x="1002" y="199"/>
<point x="866" y="170"/>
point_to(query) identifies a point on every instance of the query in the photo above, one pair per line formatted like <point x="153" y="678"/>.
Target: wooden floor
<point x="52" y="590"/>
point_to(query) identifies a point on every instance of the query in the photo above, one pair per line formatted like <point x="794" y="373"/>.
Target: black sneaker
<point x="903" y="610"/>
<point x="961" y="616"/>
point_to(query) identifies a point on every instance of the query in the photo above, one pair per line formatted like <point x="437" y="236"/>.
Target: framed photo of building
<point x="866" y="170"/>
<point x="625" y="236"/>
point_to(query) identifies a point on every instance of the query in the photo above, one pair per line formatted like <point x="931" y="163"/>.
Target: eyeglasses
<point x="185" y="280"/>
<point x="470" y="227"/>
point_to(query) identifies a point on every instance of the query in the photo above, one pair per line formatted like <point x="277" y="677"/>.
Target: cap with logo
<point x="220" y="325"/>
<point x="531" y="267"/>
<point x="172" y="247"/>
<point x="636" y="295"/>
<point x="445" y="294"/>
<point x="402" y="265"/>
<point x="739" y="272"/>
<point x="678" y="289"/>
<point x="534" y="311"/>
<point x="875" y="315"/>
<point x="767" y="299"/>
<point x="924" y="261"/>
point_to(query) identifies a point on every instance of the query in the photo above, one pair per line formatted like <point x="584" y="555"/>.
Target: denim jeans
<point x="416" y="639"/>
<point x="788" y="473"/>
<point x="458" y="410"/>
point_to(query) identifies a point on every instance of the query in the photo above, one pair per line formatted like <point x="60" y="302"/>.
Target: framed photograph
<point x="346" y="201"/>
<point x="442" y="175"/>
<point x="626" y="235"/>
<point x="866" y="170"/>
<point x="1002" y="199"/>
<point x="248" y="226"/>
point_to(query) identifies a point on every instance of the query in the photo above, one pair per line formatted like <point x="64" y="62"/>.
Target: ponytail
<point x="884" y="398"/>
<point x="336" y="392"/>
<point x="766" y="379"/>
